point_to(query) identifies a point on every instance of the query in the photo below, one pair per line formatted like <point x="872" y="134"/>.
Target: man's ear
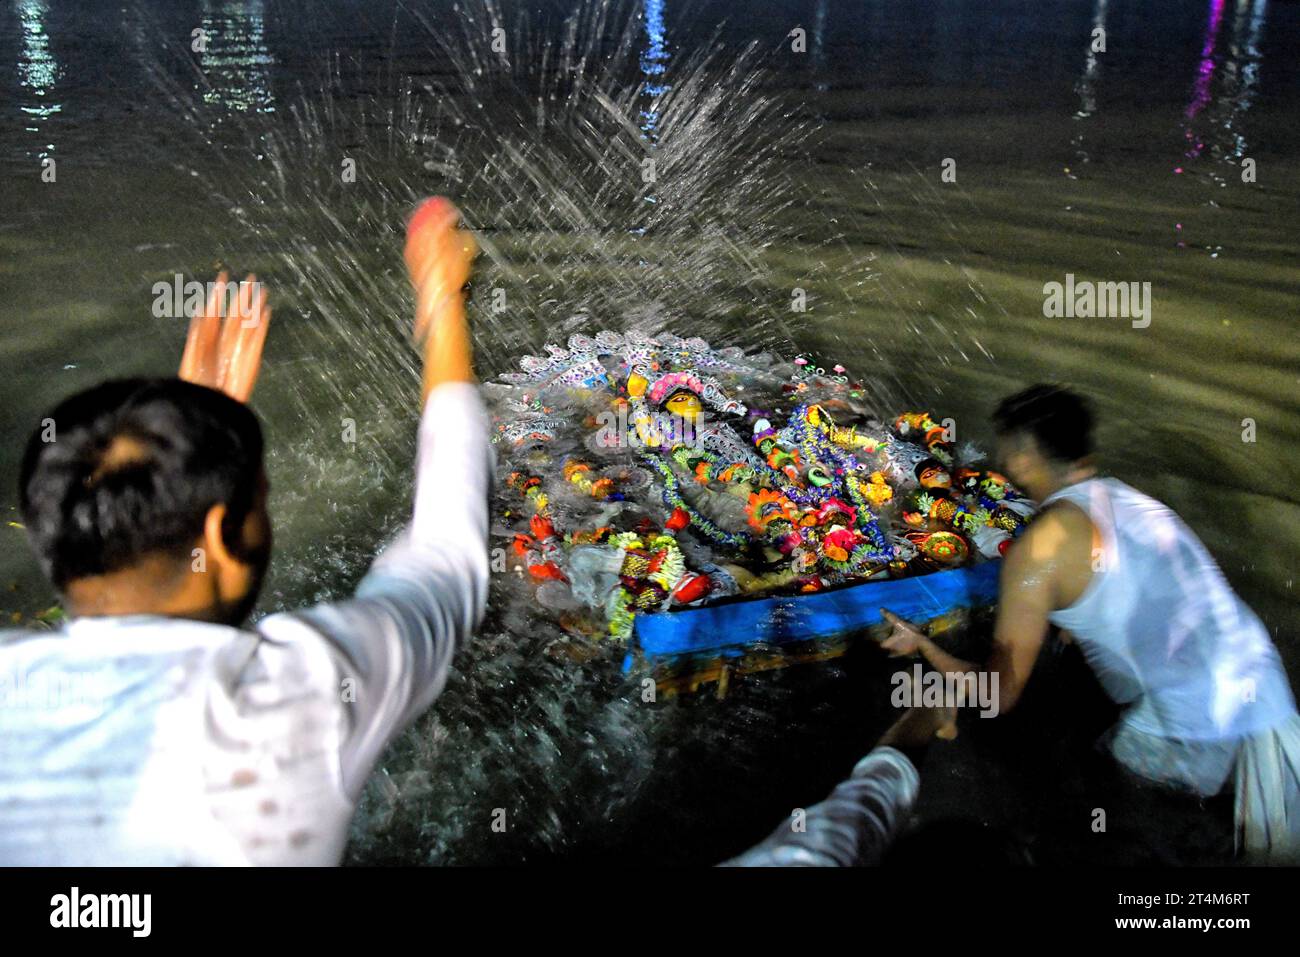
<point x="213" y="541"/>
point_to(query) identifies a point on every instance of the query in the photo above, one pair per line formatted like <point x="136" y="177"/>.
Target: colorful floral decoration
<point x="651" y="472"/>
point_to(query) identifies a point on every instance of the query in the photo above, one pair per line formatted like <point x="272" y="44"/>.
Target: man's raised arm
<point x="425" y="595"/>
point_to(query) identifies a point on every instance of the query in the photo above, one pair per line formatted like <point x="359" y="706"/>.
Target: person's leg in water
<point x="1147" y="822"/>
<point x="1089" y="808"/>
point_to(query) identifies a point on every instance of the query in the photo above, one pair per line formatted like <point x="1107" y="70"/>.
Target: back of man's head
<point x="1057" y="419"/>
<point x="129" y="469"/>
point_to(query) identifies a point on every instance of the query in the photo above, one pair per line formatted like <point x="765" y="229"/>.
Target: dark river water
<point x="813" y="161"/>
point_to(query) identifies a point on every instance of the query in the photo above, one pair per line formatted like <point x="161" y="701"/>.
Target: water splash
<point x="613" y="181"/>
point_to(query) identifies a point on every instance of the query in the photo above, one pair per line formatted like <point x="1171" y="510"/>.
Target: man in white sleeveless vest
<point x="1205" y="695"/>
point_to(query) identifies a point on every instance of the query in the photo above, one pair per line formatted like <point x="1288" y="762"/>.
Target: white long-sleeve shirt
<point x="162" y="741"/>
<point x="853" y="827"/>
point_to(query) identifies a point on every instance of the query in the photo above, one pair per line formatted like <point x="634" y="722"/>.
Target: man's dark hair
<point x="1059" y="420"/>
<point x="130" y="468"/>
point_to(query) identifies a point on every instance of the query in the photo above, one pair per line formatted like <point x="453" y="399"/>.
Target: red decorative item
<point x="543" y="528"/>
<point x="692" y="589"/>
<point x="547" y="570"/>
<point x="678" y="520"/>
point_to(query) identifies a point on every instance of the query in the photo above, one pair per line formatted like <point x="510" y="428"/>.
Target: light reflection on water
<point x="1091" y="65"/>
<point x="236" y="64"/>
<point x="38" y="71"/>
<point x="1211" y="126"/>
<point x="1239" y="70"/>
<point x="819" y="46"/>
<point x="654" y="66"/>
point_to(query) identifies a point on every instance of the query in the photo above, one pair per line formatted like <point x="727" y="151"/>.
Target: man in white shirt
<point x="152" y="729"/>
<point x="1207" y="702"/>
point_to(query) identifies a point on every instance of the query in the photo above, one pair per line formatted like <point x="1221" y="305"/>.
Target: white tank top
<point x="1162" y="628"/>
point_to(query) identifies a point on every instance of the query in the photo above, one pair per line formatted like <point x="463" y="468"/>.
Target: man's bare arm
<point x="1028" y="590"/>
<point x="1024" y="604"/>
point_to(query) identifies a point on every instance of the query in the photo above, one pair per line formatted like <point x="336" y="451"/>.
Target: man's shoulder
<point x="1056" y="527"/>
<point x="156" y="646"/>
<point x="1055" y="552"/>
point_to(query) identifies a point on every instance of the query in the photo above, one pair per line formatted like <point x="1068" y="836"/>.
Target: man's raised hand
<point x="223" y="349"/>
<point x="438" y="256"/>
